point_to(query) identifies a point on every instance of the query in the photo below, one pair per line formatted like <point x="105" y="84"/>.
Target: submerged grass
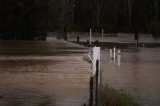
<point x="111" y="97"/>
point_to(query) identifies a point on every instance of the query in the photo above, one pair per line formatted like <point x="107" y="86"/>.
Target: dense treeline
<point x="24" y="19"/>
<point x="118" y="15"/>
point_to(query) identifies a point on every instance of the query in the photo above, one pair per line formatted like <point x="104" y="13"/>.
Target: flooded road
<point x="137" y="73"/>
<point x="41" y="73"/>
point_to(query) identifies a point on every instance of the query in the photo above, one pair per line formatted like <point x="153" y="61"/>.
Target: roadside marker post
<point x="90" y="38"/>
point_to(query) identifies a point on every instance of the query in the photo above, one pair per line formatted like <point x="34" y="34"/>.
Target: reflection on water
<point x="118" y="59"/>
<point x="115" y="57"/>
<point x="137" y="75"/>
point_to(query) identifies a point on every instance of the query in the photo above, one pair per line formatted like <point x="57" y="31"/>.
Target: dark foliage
<point x="25" y="19"/>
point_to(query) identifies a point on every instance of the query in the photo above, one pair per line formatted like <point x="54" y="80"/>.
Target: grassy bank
<point x="111" y="97"/>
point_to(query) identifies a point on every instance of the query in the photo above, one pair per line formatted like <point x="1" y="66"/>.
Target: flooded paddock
<point x="136" y="73"/>
<point x="43" y="74"/>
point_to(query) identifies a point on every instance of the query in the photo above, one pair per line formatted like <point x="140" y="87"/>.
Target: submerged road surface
<point x="37" y="73"/>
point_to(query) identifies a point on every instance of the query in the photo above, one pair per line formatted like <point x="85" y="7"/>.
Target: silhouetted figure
<point x="96" y="43"/>
<point x="77" y="39"/>
<point x="87" y="43"/>
<point x="136" y="38"/>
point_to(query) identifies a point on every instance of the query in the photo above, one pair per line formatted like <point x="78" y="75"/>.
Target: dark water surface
<point x="43" y="74"/>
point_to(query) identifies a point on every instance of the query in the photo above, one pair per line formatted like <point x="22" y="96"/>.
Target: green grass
<point x="111" y="97"/>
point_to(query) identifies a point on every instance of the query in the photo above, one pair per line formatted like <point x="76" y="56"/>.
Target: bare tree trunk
<point x="98" y="18"/>
<point x="130" y="13"/>
<point x="72" y="10"/>
<point x="130" y="2"/>
<point x="99" y="6"/>
<point x="156" y="19"/>
<point x="156" y="5"/>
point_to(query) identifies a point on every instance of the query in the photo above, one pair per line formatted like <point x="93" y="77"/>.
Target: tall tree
<point x="97" y="6"/>
<point x="23" y="19"/>
<point x="130" y="4"/>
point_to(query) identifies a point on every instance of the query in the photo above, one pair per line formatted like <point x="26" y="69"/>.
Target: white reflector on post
<point x="96" y="56"/>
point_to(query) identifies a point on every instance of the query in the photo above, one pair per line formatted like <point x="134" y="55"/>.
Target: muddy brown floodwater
<point x="41" y="73"/>
<point x="137" y="74"/>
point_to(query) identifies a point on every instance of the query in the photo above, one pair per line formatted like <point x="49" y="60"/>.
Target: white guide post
<point x="90" y="38"/>
<point x="102" y="33"/>
<point x="119" y="60"/>
<point x="119" y="57"/>
<point x="96" y="56"/>
<point x="111" y="54"/>
<point x="114" y="53"/>
<point x="96" y="75"/>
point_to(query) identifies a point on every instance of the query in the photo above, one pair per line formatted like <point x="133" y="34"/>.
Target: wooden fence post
<point x="95" y="79"/>
<point x="91" y="92"/>
<point x="97" y="84"/>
